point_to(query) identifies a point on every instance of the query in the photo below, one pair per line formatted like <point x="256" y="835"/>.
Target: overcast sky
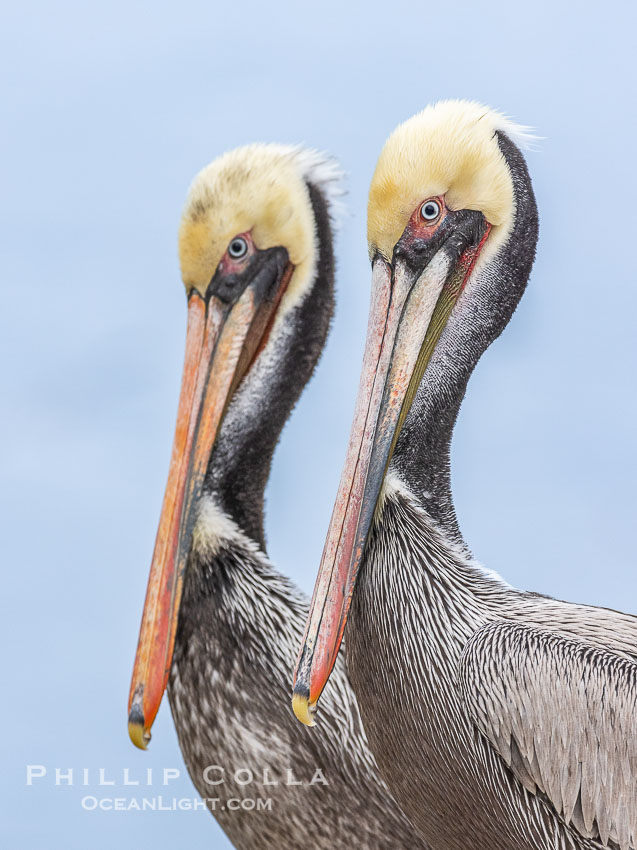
<point x="109" y="109"/>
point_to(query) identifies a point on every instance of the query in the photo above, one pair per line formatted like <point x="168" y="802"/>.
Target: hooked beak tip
<point x="139" y="735"/>
<point x="137" y="731"/>
<point x="304" y="709"/>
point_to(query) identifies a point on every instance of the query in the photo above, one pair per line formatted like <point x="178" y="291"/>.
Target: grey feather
<point x="583" y="696"/>
<point x="239" y="629"/>
<point x="518" y="724"/>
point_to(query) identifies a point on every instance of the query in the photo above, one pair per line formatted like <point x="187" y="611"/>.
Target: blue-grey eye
<point x="430" y="210"/>
<point x="238" y="248"/>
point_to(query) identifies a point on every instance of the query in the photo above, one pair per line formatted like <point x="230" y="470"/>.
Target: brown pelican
<point x="500" y="719"/>
<point x="220" y="624"/>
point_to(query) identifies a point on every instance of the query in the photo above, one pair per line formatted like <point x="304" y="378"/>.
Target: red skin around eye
<point x="420" y="228"/>
<point x="230" y="265"/>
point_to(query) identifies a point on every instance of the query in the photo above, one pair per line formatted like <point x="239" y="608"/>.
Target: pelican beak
<point x="412" y="299"/>
<point x="226" y="330"/>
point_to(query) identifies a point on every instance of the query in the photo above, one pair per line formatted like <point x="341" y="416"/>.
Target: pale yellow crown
<point x="449" y="149"/>
<point x="259" y="188"/>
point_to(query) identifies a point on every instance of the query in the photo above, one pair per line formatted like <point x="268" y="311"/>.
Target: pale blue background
<point x="108" y="111"/>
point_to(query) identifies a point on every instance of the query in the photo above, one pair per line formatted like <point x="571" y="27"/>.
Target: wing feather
<point x="563" y="716"/>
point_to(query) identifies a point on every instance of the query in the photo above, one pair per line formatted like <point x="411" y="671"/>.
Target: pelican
<point x="500" y="719"/>
<point x="220" y="625"/>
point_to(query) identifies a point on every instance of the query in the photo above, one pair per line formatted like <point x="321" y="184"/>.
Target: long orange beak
<point x="222" y="341"/>
<point x="408" y="312"/>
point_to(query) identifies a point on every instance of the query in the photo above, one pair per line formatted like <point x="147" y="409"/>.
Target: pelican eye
<point x="238" y="248"/>
<point x="430" y="210"/>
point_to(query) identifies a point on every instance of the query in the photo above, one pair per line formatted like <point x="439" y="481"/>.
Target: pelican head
<point x="249" y="250"/>
<point x="452" y="227"/>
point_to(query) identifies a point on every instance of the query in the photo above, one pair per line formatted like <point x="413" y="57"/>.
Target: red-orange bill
<point x="221" y="343"/>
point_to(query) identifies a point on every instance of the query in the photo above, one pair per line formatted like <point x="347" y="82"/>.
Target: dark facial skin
<point x="261" y="269"/>
<point x="422" y="239"/>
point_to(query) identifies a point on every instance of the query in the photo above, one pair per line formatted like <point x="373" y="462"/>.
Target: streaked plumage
<point x="500" y="719"/>
<point x="482" y="677"/>
<point x="239" y="631"/>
